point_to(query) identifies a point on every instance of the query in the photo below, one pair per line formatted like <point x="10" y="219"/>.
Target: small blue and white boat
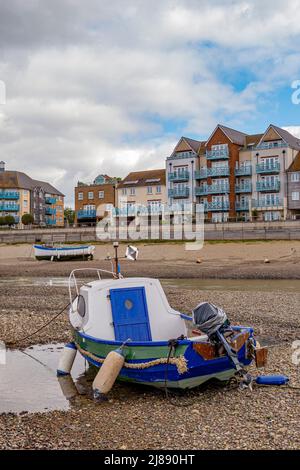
<point x="63" y="252"/>
<point x="132" y="316"/>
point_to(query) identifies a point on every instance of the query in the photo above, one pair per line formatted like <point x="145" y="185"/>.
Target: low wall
<point x="289" y="230"/>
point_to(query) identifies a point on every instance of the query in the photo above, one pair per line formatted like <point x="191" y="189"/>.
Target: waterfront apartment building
<point x="20" y="194"/>
<point x="92" y="201"/>
<point x="145" y="190"/>
<point x="236" y="176"/>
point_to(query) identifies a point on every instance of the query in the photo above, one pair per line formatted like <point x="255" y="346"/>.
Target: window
<point x="149" y="189"/>
<point x="91" y="195"/>
<point x="158" y="189"/>
<point x="80" y="196"/>
<point x="124" y="191"/>
<point x="101" y="195"/>
<point x="25" y="204"/>
<point x="295" y="196"/>
<point x="295" y="177"/>
<point x="132" y="191"/>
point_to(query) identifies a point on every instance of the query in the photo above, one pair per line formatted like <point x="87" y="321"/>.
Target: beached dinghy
<point x="134" y="314"/>
<point x="63" y="252"/>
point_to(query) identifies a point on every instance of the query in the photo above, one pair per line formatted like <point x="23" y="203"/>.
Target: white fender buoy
<point x="108" y="373"/>
<point x="66" y="359"/>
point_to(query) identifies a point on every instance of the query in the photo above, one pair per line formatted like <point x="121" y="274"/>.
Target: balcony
<point x="179" y="176"/>
<point x="9" y="207"/>
<point x="243" y="171"/>
<point x="242" y="206"/>
<point x="271" y="145"/>
<point x="9" y="195"/>
<point x="217" y="154"/>
<point x="212" y="189"/>
<point x="179" y="192"/>
<point x="216" y="206"/>
<point x="49" y="221"/>
<point x="50" y="211"/>
<point x="268" y="168"/>
<point x="86" y="214"/>
<point x="211" y="172"/>
<point x="243" y="188"/>
<point x="264" y="186"/>
<point x="50" y="200"/>
<point x="267" y="204"/>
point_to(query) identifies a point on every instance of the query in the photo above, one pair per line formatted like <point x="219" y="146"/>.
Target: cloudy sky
<point x="108" y="86"/>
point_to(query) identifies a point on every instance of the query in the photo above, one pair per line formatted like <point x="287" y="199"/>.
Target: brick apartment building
<point x="235" y="175"/>
<point x="93" y="200"/>
<point x="20" y="194"/>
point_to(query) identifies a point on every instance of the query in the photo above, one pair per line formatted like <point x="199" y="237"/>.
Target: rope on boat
<point x="180" y="362"/>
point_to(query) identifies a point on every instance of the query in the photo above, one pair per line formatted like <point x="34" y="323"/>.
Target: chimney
<point x="2" y="167"/>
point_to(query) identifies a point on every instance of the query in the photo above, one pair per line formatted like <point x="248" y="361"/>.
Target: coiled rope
<point x="180" y="362"/>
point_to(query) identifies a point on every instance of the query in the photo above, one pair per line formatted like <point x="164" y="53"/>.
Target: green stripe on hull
<point x="134" y="352"/>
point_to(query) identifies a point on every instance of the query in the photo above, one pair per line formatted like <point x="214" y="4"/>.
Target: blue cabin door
<point x="130" y="314"/>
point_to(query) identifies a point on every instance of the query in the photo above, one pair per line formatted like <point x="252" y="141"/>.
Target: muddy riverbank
<point x="234" y="260"/>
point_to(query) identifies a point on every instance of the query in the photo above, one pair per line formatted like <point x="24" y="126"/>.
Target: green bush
<point x="27" y="219"/>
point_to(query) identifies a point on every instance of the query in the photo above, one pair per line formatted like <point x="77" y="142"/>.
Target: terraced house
<point x="236" y="176"/>
<point x="20" y="194"/>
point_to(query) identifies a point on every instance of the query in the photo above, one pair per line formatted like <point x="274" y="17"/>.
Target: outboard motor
<point x="213" y="321"/>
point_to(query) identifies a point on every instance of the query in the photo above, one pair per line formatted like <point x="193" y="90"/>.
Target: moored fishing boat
<point x="132" y="316"/>
<point x="44" y="252"/>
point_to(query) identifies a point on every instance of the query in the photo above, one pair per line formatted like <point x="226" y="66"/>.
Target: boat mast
<point x="117" y="267"/>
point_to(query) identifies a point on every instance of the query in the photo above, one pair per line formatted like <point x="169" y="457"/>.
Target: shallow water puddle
<point x="258" y="285"/>
<point x="28" y="380"/>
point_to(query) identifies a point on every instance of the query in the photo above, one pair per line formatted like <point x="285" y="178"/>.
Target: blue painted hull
<point x="199" y="369"/>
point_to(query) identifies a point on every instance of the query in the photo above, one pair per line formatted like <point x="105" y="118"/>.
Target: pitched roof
<point x="253" y="139"/>
<point x="195" y="144"/>
<point x="290" y="139"/>
<point x="295" y="166"/>
<point x="236" y="137"/>
<point x="19" y="180"/>
<point x="139" y="178"/>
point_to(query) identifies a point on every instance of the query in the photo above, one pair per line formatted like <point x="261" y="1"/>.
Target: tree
<point x="27" y="219"/>
<point x="9" y="220"/>
<point x="69" y="215"/>
<point x="2" y="222"/>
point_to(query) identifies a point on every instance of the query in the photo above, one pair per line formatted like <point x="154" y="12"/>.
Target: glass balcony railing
<point x="216" y="206"/>
<point x="86" y="214"/>
<point x="50" y="221"/>
<point x="9" y="195"/>
<point x="50" y="200"/>
<point x="179" y="176"/>
<point x="268" y="186"/>
<point x="9" y="207"/>
<point x="262" y="203"/>
<point x="212" y="189"/>
<point x="217" y="154"/>
<point x="243" y="171"/>
<point x="271" y="145"/>
<point x="268" y="168"/>
<point x="50" y="211"/>
<point x="243" y="188"/>
<point x="179" y="192"/>
<point x="242" y="206"/>
<point x="211" y="172"/>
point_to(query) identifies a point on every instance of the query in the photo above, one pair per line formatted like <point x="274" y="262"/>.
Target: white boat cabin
<point x="119" y="309"/>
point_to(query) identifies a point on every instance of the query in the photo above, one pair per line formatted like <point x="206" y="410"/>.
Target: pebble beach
<point x="211" y="417"/>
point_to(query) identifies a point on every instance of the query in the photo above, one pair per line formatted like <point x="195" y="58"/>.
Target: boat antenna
<point x="117" y="266"/>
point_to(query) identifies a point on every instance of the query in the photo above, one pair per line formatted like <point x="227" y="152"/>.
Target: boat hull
<point x="59" y="253"/>
<point x="139" y="355"/>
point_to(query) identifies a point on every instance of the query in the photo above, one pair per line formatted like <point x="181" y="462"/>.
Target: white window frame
<point x="295" y="177"/>
<point x="91" y="195"/>
<point x="101" y="194"/>
<point x="80" y="196"/>
<point x="295" y="196"/>
<point x="149" y="189"/>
